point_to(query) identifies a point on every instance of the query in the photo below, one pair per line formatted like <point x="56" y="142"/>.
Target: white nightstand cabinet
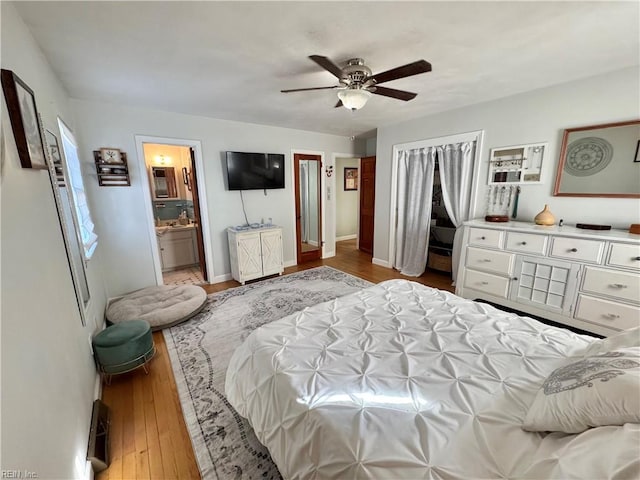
<point x="255" y="253"/>
<point x="583" y="278"/>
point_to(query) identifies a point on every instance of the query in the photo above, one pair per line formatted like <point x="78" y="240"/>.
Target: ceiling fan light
<point x="354" y="98"/>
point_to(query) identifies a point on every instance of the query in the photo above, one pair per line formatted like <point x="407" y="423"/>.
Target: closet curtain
<point x="415" y="189"/>
<point x="456" y="170"/>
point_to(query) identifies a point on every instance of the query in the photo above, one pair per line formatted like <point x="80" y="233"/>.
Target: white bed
<point x="401" y="380"/>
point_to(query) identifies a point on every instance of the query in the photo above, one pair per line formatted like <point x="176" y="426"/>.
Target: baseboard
<point x="382" y="263"/>
<point x="290" y="263"/>
<point x="329" y="254"/>
<point x="313" y="243"/>
<point x="346" y="237"/>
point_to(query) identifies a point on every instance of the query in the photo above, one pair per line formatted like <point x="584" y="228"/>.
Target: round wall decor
<point x="588" y="156"/>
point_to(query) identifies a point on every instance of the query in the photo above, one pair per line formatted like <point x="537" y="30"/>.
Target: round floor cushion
<point x="162" y="306"/>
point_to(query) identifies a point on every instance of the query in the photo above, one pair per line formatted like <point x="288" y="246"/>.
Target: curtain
<point x="415" y="189"/>
<point x="456" y="170"/>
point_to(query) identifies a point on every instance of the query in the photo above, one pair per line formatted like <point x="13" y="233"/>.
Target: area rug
<point x="200" y="350"/>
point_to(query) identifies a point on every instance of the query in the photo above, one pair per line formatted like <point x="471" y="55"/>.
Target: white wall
<point x="537" y="116"/>
<point x="346" y="201"/>
<point x="121" y="215"/>
<point x="48" y="375"/>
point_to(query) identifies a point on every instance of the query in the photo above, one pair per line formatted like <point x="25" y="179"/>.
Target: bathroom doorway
<point x="175" y="203"/>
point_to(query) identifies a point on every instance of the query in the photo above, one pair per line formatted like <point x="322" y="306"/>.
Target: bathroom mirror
<point x="600" y="161"/>
<point x="164" y="182"/>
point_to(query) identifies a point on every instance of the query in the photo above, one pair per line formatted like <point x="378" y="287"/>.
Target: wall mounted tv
<point x="255" y="171"/>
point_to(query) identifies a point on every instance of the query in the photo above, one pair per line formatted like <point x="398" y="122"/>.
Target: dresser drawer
<point x="621" y="285"/>
<point x="577" y="249"/>
<point x="489" y="260"/>
<point x="485" y="237"/>
<point x="625" y="255"/>
<point x="485" y="282"/>
<point x="526" y="243"/>
<point x="607" y="313"/>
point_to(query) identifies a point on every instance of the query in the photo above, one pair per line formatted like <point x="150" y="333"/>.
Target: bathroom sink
<point x="161" y="230"/>
<point x="179" y="227"/>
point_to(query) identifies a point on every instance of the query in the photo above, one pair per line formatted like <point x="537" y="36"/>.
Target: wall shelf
<point x="112" y="174"/>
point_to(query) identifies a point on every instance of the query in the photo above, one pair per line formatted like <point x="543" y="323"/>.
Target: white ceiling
<point x="230" y="60"/>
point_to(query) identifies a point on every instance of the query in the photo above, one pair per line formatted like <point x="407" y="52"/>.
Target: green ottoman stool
<point x="123" y="347"/>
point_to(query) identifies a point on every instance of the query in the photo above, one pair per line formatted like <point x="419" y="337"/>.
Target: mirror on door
<point x="308" y="216"/>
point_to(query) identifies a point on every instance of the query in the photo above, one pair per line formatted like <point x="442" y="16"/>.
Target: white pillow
<point x="599" y="390"/>
<point x="624" y="339"/>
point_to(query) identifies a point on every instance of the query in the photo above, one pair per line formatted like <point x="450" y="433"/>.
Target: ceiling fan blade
<point x="393" y="93"/>
<point x="339" y="104"/>
<point x="421" y="66"/>
<point x="328" y="65"/>
<point x="307" y="89"/>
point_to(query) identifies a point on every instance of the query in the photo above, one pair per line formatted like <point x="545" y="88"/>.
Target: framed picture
<point x="21" y="104"/>
<point x="636" y="159"/>
<point x="350" y="178"/>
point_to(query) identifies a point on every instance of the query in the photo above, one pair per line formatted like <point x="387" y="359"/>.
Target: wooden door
<point x="308" y="180"/>
<point x="193" y="180"/>
<point x="367" y="203"/>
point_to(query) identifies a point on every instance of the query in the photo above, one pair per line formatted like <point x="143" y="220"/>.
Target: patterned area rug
<point x="200" y="350"/>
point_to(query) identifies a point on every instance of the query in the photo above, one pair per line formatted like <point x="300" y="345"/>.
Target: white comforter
<point x="404" y="381"/>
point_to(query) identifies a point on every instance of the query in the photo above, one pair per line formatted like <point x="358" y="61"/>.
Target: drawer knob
<point x="618" y="285"/>
<point x="611" y="316"/>
<point x="574" y="250"/>
<point x="484" y="283"/>
<point x="636" y="258"/>
<point x="523" y="243"/>
<point x="514" y="278"/>
<point x="483" y="238"/>
<point x="486" y="260"/>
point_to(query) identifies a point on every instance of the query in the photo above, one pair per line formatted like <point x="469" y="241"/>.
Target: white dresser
<point x="255" y="253"/>
<point x="588" y="279"/>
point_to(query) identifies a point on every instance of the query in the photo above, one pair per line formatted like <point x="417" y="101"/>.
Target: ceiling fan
<point x="356" y="84"/>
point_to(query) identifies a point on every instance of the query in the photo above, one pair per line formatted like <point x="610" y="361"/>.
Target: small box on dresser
<point x="581" y="278"/>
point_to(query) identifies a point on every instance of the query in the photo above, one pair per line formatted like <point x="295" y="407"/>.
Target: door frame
<point x="334" y="210"/>
<point x="477" y="135"/>
<point x="140" y="140"/>
<point x="323" y="189"/>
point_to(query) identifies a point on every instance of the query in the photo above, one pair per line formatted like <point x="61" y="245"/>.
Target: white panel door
<point x="272" y="252"/>
<point x="249" y="256"/>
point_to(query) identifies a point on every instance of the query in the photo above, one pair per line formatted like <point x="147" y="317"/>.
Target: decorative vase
<point x="545" y="217"/>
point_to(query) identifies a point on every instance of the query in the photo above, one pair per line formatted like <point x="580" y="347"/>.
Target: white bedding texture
<point x="402" y="381"/>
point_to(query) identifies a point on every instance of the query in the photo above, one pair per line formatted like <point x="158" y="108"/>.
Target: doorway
<point x="308" y="201"/>
<point x="178" y="240"/>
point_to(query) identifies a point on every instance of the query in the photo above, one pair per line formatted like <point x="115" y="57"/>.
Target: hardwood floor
<point x="149" y="438"/>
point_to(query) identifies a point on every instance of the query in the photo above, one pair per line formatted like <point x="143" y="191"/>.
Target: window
<point x="84" y="224"/>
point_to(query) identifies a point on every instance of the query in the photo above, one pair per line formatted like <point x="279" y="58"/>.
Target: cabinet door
<point x="177" y="252"/>
<point x="543" y="283"/>
<point x="249" y="256"/>
<point x="272" y="252"/>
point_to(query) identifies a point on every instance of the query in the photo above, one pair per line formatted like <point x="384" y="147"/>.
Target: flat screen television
<point x="255" y="171"/>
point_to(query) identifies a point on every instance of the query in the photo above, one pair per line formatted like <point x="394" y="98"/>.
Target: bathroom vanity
<point x="178" y="246"/>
